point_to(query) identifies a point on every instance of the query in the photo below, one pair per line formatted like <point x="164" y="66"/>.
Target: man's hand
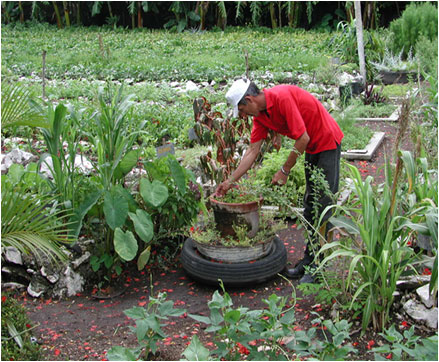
<point x="277" y="141"/>
<point x="222" y="188"/>
<point x="279" y="178"/>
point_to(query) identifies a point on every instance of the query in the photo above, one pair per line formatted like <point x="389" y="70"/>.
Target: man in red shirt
<point x="295" y="113"/>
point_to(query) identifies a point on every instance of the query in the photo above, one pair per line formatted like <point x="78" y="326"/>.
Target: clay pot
<point x="229" y="214"/>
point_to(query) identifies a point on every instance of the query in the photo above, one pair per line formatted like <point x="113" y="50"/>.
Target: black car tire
<point x="233" y="274"/>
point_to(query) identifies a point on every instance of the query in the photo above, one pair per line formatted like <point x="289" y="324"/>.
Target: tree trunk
<point x="78" y="12"/>
<point x="273" y="15"/>
<point x="360" y="42"/>
<point x="66" y="13"/>
<point x="279" y="6"/>
<point x="139" y="15"/>
<point x="20" y="6"/>
<point x="57" y="14"/>
<point x="204" y="5"/>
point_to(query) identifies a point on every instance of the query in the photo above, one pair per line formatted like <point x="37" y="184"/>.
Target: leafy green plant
<point x="205" y="232"/>
<point x="59" y="132"/>
<point x="148" y="329"/>
<point x="17" y="343"/>
<point x="417" y="20"/>
<point x="240" y="331"/>
<point x="421" y="201"/>
<point x="406" y="346"/>
<point x="382" y="254"/>
<point x="292" y="192"/>
<point x="332" y="348"/>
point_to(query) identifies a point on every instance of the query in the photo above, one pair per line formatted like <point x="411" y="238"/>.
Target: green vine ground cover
<point x="80" y="60"/>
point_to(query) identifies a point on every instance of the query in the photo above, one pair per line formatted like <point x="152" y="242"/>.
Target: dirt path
<point x="84" y="328"/>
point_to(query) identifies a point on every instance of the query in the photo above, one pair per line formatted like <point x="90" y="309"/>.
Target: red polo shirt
<point x="292" y="110"/>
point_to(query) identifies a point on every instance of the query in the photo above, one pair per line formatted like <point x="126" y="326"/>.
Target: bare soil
<point x="84" y="328"/>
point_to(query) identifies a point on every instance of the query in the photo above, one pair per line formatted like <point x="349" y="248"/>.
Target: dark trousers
<point x="329" y="163"/>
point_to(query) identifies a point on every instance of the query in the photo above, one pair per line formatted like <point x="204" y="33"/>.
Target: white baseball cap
<point x="236" y="92"/>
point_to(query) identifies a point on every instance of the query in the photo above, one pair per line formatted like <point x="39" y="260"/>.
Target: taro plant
<point x="113" y="140"/>
<point x="148" y="329"/>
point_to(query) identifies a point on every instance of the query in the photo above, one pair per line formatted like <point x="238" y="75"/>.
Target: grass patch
<point x="355" y="137"/>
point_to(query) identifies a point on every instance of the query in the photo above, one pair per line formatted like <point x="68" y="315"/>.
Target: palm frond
<point x="18" y="109"/>
<point x="28" y="225"/>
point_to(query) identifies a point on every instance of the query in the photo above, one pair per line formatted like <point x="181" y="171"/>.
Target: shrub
<point x="417" y="20"/>
<point x="16" y="332"/>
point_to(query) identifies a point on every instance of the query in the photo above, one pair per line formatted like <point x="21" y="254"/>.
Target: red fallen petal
<point x="102" y="301"/>
<point x="80" y="305"/>
<point x="56" y="352"/>
<point x="141" y="304"/>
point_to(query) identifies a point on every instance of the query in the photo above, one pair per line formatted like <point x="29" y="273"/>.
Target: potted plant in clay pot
<point x="233" y="242"/>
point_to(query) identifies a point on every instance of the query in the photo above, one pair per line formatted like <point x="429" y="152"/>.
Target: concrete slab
<point x="392" y="118"/>
<point x="368" y="152"/>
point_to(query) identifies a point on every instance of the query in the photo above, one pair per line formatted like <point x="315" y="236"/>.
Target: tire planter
<point x="234" y="254"/>
<point x="233" y="274"/>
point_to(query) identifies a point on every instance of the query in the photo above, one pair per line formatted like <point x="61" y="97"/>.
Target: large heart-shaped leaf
<point x="154" y="193"/>
<point x="115" y="209"/>
<point x="178" y="175"/>
<point x="125" y="244"/>
<point x="143" y="258"/>
<point x="143" y="225"/>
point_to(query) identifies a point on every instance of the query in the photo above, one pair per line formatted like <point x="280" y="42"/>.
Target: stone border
<point x="392" y="118"/>
<point x="368" y="152"/>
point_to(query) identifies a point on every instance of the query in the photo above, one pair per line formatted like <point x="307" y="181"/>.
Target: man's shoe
<point x="307" y="278"/>
<point x="299" y="269"/>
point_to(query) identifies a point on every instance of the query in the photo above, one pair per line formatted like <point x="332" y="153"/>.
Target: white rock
<point x="73" y="282"/>
<point x="15" y="156"/>
<point x="12" y="255"/>
<point x="35" y="290"/>
<point x="76" y="263"/>
<point x="191" y="86"/>
<point x="418" y="312"/>
<point x="52" y="278"/>
<point x="424" y="294"/>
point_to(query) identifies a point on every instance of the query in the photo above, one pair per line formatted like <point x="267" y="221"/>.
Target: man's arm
<point x="281" y="176"/>
<point x="246" y="163"/>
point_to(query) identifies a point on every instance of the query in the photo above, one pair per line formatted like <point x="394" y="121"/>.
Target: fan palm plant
<point x="29" y="226"/>
<point x="18" y="108"/>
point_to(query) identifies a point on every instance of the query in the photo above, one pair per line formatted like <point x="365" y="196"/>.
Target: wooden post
<point x="43" y="75"/>
<point x="360" y="41"/>
<point x="246" y="63"/>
